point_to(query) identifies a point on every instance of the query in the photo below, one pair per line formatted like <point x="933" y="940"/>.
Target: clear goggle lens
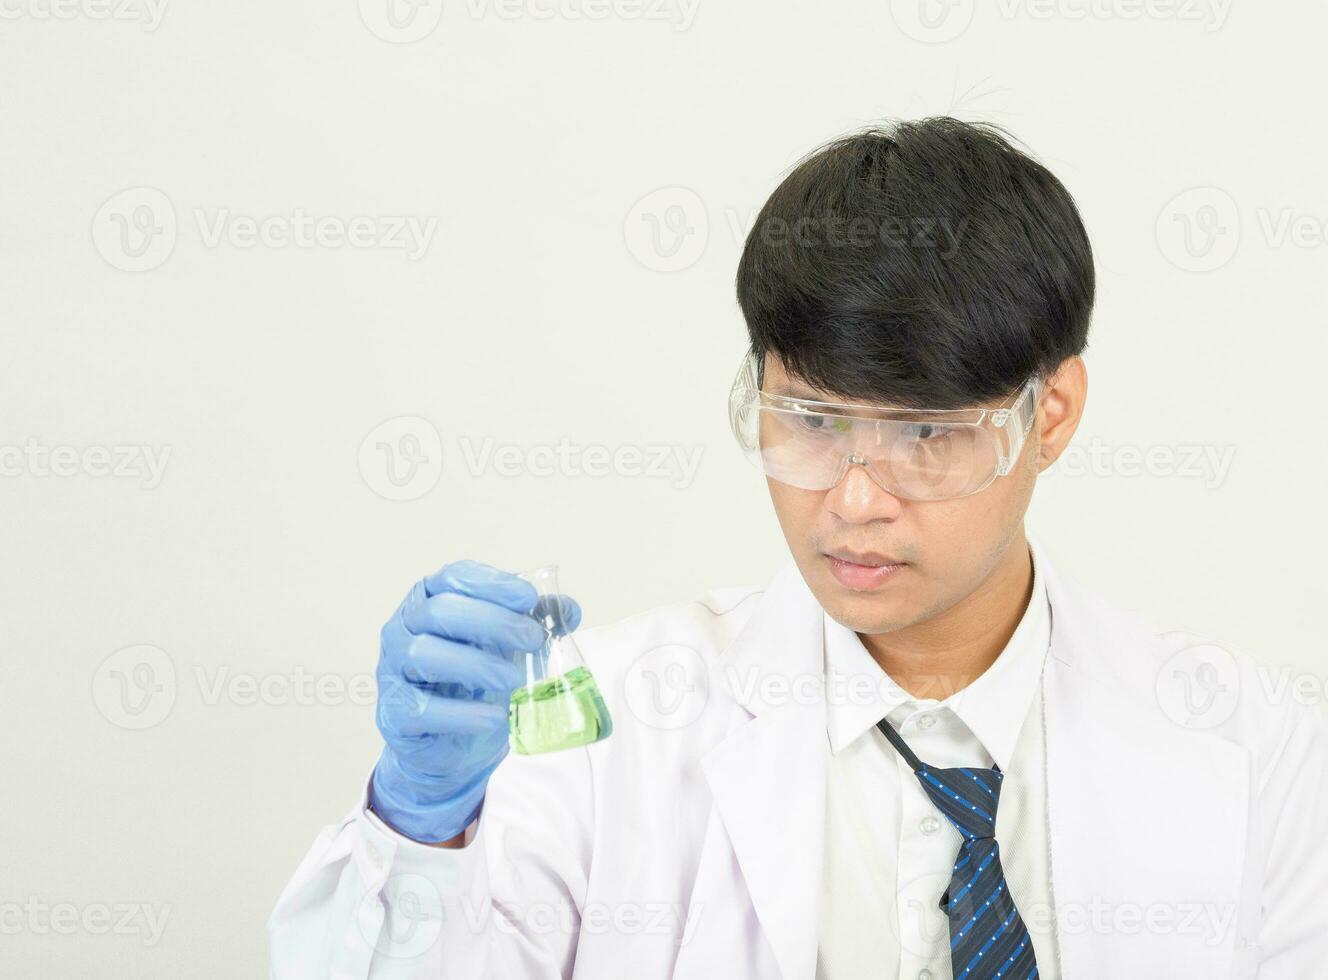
<point x="915" y="454"/>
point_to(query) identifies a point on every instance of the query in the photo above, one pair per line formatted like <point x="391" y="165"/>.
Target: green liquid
<point x="558" y="714"/>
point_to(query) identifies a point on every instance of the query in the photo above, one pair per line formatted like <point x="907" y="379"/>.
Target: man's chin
<point x="862" y="612"/>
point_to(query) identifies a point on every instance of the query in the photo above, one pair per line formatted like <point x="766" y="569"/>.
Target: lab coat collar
<point x="858" y="692"/>
<point x="774" y="664"/>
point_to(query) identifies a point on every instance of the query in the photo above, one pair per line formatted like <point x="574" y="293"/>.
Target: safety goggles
<point x="919" y="454"/>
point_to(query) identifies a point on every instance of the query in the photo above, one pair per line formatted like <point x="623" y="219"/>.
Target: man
<point x="922" y="750"/>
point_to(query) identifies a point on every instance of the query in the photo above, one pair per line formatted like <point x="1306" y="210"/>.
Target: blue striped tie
<point x="988" y="939"/>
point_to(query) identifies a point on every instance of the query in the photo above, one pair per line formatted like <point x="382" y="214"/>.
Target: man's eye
<point x="824" y="423"/>
<point x="926" y="432"/>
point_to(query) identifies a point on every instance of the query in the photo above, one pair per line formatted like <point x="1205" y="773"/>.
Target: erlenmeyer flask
<point x="560" y="705"/>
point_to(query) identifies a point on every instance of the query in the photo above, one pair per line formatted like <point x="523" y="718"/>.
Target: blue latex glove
<point x="446" y="671"/>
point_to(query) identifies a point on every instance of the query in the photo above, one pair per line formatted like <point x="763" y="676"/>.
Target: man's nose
<point x="857" y="498"/>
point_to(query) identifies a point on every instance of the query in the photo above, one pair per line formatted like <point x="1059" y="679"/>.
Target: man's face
<point x="947" y="547"/>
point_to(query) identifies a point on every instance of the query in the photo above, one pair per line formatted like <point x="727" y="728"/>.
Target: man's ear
<point x="1061" y="408"/>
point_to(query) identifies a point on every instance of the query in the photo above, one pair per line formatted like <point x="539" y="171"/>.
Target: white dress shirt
<point x="889" y="851"/>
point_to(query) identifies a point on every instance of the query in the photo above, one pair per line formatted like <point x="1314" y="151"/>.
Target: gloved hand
<point x="446" y="672"/>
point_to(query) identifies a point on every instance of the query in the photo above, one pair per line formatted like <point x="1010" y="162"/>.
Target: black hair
<point x="926" y="263"/>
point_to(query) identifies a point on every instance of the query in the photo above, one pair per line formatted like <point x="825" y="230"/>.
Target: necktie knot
<point x="967" y="796"/>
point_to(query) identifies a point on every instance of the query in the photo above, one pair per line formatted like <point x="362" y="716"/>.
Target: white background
<point x="531" y="138"/>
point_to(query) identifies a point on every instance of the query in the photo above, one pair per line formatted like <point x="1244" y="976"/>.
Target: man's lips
<point x="869" y="558"/>
<point x="865" y="573"/>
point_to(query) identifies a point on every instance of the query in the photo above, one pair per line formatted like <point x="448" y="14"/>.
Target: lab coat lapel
<point x="767" y="778"/>
<point x="1170" y="841"/>
<point x="1146" y="817"/>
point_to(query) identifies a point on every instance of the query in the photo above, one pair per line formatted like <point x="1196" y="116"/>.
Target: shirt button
<point x="924" y="975"/>
<point x="926" y="721"/>
<point x="929" y="825"/>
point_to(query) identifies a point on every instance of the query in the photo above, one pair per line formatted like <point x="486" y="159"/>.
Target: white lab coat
<point x="688" y="844"/>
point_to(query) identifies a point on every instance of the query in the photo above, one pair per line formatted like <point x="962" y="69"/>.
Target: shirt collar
<point x="993" y="706"/>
